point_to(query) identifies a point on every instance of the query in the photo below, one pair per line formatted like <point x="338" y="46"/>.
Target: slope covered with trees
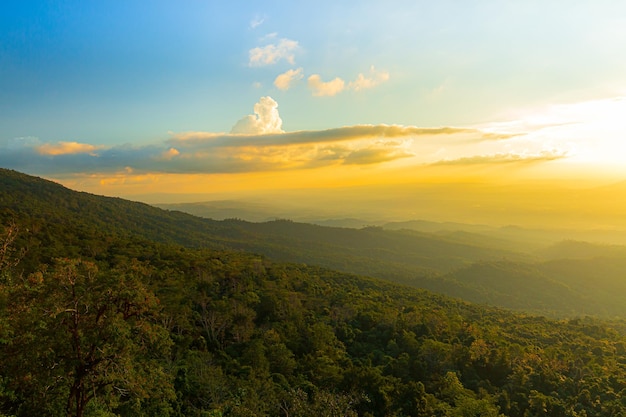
<point x="470" y="266"/>
<point x="104" y="316"/>
<point x="150" y="329"/>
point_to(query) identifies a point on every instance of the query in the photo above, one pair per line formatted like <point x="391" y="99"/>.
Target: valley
<point x="232" y="317"/>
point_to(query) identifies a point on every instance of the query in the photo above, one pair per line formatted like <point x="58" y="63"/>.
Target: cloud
<point x="170" y="153"/>
<point x="328" y="88"/>
<point x="265" y="119"/>
<point x="19" y="143"/>
<point x="272" y="53"/>
<point x="500" y="136"/>
<point x="207" y="152"/>
<point x="331" y="88"/>
<point x="67" y="148"/>
<point x="257" y="143"/>
<point x="257" y="21"/>
<point x="592" y="131"/>
<point x="284" y="80"/>
<point x="504" y="158"/>
<point x="362" y="82"/>
<point x="354" y="145"/>
<point x="375" y="155"/>
<point x="341" y="134"/>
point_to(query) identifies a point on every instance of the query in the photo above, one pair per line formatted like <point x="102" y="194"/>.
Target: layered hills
<point x="504" y="271"/>
<point x="111" y="307"/>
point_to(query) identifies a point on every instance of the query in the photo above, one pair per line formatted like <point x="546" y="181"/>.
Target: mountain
<point x="43" y="207"/>
<point x="28" y="197"/>
<point x="229" y="209"/>
<point x="123" y="320"/>
<point x="572" y="249"/>
<point x="468" y="265"/>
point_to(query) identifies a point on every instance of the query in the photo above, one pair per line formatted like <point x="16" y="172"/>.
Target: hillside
<point x="49" y="211"/>
<point x="151" y="329"/>
<point x="469" y="265"/>
<point x="27" y="197"/>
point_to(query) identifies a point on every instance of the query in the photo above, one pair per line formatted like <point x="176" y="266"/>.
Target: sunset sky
<point x="194" y="99"/>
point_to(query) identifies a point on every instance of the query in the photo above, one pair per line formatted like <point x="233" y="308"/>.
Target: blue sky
<point x="103" y="88"/>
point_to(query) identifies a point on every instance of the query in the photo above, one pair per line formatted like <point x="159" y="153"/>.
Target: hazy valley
<point x="296" y="209"/>
<point x="416" y="318"/>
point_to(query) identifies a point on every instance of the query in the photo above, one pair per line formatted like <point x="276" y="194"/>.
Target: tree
<point x="80" y="335"/>
<point x="9" y="255"/>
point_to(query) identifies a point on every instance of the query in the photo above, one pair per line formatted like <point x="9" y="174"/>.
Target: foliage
<point x="99" y="321"/>
<point x="79" y="335"/>
<point x="55" y="221"/>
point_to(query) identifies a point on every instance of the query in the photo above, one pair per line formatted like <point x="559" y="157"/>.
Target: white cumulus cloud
<point x="325" y="88"/>
<point x="331" y="88"/>
<point x="286" y="79"/>
<point x="375" y="77"/>
<point x="264" y="120"/>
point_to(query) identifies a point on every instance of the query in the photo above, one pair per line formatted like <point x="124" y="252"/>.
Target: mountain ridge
<point x="442" y="262"/>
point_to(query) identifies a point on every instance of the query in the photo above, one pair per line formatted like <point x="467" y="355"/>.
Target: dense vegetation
<point x="99" y="321"/>
<point x="475" y="267"/>
<point x="235" y="334"/>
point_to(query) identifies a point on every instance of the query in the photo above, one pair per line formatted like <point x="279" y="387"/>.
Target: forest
<point x="114" y="308"/>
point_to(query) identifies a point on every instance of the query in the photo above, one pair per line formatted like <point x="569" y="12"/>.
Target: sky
<point x="194" y="100"/>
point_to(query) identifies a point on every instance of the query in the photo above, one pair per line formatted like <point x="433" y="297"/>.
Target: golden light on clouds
<point x="66" y="148"/>
<point x="558" y="146"/>
<point x="589" y="132"/>
<point x="478" y="114"/>
<point x="170" y="153"/>
<point x="325" y="88"/>
<point x="285" y="80"/>
<point x="320" y="88"/>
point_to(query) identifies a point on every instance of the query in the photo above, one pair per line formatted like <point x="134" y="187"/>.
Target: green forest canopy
<point x="100" y="322"/>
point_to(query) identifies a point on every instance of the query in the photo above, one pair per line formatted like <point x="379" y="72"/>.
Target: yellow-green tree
<point x="81" y="337"/>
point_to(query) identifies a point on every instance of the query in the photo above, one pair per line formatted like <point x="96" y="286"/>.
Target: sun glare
<point x="588" y="133"/>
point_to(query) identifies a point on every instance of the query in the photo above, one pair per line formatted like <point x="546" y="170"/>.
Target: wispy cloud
<point x="340" y="134"/>
<point x="257" y="143"/>
<point x="272" y="53"/>
<point x="257" y="21"/>
<point x="592" y="131"/>
<point x="376" y="155"/>
<point x="205" y="152"/>
<point x="500" y="136"/>
<point x="504" y="158"/>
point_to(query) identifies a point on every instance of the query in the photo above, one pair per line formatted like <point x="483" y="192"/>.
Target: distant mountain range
<point x="529" y="270"/>
<point x="262" y="210"/>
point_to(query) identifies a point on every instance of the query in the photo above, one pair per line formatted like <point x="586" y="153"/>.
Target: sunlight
<point x="590" y="132"/>
<point x="599" y="131"/>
